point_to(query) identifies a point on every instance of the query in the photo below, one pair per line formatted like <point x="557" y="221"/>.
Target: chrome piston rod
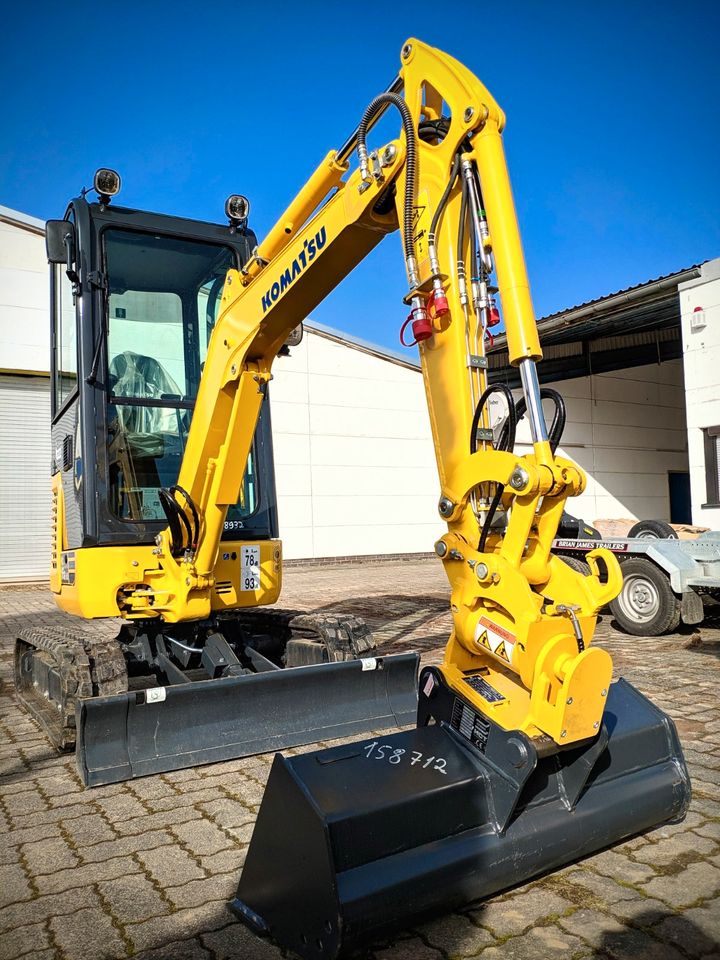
<point x="531" y="389"/>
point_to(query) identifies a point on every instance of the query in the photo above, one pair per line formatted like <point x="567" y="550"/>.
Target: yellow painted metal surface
<point x="57" y="531"/>
<point x="521" y="616"/>
<point x="118" y="581"/>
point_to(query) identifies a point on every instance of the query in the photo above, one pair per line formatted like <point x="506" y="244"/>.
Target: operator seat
<point x="136" y="375"/>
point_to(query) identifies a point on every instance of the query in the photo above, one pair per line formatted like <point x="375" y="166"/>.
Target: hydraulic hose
<point x="557" y="426"/>
<point x="177" y="520"/>
<point x="506" y="441"/>
<point x="434" y="130"/>
<point x="454" y="170"/>
<point x="410" y="158"/>
<point x="492" y="509"/>
<point x="193" y="510"/>
<point x="461" y="224"/>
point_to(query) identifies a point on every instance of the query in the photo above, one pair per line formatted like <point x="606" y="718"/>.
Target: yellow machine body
<point x="115" y="574"/>
<point x="518" y="611"/>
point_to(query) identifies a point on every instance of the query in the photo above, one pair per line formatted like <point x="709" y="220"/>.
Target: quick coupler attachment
<point x="356" y="841"/>
<point x="168" y="728"/>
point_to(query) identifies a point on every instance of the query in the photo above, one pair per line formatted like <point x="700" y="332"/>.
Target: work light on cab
<point x="237" y="209"/>
<point x="106" y="184"/>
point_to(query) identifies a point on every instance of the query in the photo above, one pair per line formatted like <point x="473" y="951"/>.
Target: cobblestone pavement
<point x="145" y="869"/>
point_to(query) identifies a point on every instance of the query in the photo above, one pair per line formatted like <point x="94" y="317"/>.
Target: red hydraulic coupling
<point x="493" y="314"/>
<point x="421" y="326"/>
<point x="438" y="303"/>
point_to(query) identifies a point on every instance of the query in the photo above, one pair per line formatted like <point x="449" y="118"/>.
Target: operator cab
<point x="135" y="297"/>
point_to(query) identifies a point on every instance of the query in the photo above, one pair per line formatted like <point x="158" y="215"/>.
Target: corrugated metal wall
<point x="24" y="478"/>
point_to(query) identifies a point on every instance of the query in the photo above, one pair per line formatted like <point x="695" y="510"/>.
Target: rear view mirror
<point x="60" y="245"/>
<point x="58" y="234"/>
<point x="294" y="338"/>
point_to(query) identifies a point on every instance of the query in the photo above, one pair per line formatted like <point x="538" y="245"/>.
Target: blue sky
<point x="612" y="137"/>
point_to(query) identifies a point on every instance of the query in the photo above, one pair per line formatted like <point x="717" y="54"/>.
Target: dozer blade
<point x="356" y="841"/>
<point x="167" y="728"/>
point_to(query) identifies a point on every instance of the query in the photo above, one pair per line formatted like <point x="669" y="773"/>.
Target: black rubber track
<point x="88" y="667"/>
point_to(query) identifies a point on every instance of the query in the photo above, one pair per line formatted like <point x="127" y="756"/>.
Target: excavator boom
<point x="527" y="755"/>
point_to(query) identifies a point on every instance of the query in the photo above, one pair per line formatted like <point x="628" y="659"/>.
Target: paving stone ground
<point x="145" y="869"/>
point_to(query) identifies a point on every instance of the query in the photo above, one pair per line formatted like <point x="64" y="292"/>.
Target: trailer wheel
<point x="577" y="564"/>
<point x="646" y="605"/>
<point x="652" y="530"/>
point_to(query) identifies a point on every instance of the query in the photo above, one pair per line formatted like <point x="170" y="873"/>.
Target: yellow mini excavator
<point x="164" y="514"/>
<point x="527" y="754"/>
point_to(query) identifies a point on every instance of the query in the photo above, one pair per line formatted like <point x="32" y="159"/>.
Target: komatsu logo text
<point x="306" y="256"/>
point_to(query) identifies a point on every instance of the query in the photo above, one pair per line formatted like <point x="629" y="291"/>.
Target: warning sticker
<point x="421" y="225"/>
<point x="155" y="695"/>
<point x="495" y="638"/>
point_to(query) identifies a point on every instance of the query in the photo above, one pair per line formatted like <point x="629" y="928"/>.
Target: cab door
<point x="66" y="459"/>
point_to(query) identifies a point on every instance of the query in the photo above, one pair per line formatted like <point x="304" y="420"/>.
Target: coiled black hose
<point x="434" y="130"/>
<point x="410" y="157"/>
<point x="557" y="426"/>
<point x="178" y="519"/>
<point x="193" y="510"/>
<point x="506" y="441"/>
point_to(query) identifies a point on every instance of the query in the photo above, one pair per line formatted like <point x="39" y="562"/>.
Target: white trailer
<point x="665" y="582"/>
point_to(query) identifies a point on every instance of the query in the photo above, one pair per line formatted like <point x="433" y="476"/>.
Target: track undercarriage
<point x="57" y="666"/>
<point x="160" y="697"/>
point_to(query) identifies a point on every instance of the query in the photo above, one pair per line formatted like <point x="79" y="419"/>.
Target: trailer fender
<point x="672" y="559"/>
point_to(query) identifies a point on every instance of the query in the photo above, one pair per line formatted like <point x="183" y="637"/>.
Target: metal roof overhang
<point x="632" y="328"/>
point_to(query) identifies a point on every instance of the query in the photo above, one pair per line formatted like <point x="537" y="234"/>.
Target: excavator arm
<point x="525" y="756"/>
<point x="523" y="620"/>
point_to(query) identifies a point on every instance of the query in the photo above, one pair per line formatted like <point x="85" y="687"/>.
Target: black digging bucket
<point x="354" y="842"/>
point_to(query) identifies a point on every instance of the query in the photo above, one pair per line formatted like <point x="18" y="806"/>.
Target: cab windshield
<point x="163" y="300"/>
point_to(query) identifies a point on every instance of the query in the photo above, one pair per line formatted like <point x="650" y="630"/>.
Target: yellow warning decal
<point x="495" y="638"/>
<point x="421" y="217"/>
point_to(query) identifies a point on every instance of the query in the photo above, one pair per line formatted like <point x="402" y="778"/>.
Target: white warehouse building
<point x="354" y="458"/>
